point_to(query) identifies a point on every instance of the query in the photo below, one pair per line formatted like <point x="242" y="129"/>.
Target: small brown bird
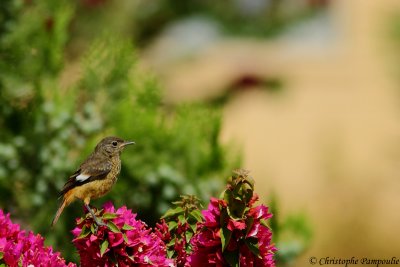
<point x="95" y="176"/>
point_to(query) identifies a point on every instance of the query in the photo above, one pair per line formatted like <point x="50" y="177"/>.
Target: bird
<point x="95" y="176"/>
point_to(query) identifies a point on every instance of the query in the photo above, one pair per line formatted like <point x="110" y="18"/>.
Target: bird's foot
<point x="98" y="221"/>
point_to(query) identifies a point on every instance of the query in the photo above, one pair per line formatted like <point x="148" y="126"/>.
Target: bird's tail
<point x="67" y="199"/>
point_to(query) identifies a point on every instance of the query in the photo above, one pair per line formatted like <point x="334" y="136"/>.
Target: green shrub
<point x="48" y="130"/>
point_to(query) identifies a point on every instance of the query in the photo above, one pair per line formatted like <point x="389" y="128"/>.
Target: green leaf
<point x="193" y="227"/>
<point x="173" y="213"/>
<point x="109" y="216"/>
<point x="223" y="218"/>
<point x="232" y="257"/>
<point x="188" y="236"/>
<point x="85" y="232"/>
<point x="228" y="196"/>
<point x="252" y="244"/>
<point x="1" y="255"/>
<point x="248" y="195"/>
<point x="125" y="238"/>
<point x="263" y="222"/>
<point x="92" y="229"/>
<point x="196" y="214"/>
<point x="127" y="227"/>
<point x="225" y="237"/>
<point x="113" y="227"/>
<point x="249" y="224"/>
<point x="223" y="195"/>
<point x="182" y="219"/>
<point x="170" y="253"/>
<point x="103" y="247"/>
<point x="172" y="225"/>
<point x="236" y="209"/>
<point x="171" y="243"/>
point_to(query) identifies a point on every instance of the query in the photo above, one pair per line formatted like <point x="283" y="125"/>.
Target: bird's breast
<point x="115" y="169"/>
<point x="99" y="188"/>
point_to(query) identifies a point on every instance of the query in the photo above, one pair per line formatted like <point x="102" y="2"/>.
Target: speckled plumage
<point x="95" y="176"/>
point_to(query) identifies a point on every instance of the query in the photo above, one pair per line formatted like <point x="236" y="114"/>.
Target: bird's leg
<point x="96" y="220"/>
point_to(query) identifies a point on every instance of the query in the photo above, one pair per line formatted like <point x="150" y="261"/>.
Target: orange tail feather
<point x="65" y="202"/>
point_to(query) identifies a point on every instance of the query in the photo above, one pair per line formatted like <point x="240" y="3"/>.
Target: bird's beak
<point x="127" y="143"/>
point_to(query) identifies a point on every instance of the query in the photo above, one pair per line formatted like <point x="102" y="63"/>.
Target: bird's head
<point x="112" y="145"/>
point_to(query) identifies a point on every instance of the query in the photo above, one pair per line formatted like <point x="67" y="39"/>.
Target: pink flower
<point x="247" y="239"/>
<point x="179" y="241"/>
<point x="178" y="226"/>
<point x="211" y="215"/>
<point x="20" y="248"/>
<point x="234" y="224"/>
<point x="125" y="241"/>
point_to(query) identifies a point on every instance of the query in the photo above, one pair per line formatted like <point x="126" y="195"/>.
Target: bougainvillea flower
<point x="207" y="244"/>
<point x="225" y="239"/>
<point x="126" y="241"/>
<point x="21" y="248"/>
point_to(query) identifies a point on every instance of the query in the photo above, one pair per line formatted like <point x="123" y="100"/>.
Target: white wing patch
<point x="82" y="177"/>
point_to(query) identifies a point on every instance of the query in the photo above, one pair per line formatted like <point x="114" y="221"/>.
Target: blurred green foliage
<point x="292" y="234"/>
<point x="145" y="20"/>
<point x="177" y="147"/>
<point x="46" y="129"/>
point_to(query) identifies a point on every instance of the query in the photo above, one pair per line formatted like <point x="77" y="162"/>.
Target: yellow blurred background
<point x="328" y="142"/>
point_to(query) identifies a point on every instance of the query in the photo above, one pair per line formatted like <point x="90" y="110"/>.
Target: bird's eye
<point x="114" y="143"/>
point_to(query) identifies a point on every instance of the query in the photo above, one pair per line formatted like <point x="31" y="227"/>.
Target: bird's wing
<point x="94" y="168"/>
